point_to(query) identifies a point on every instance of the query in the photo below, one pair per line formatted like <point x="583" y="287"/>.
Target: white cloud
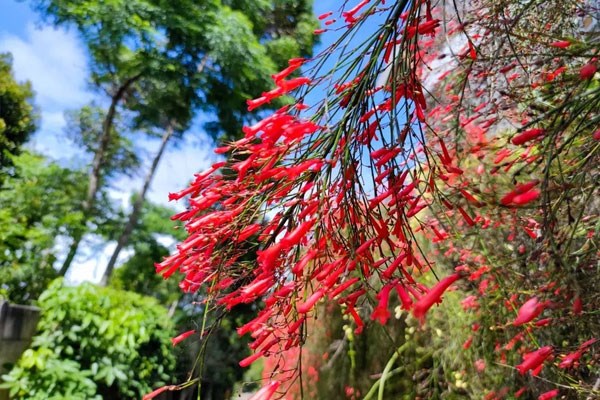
<point x="92" y="259"/>
<point x="177" y="169"/>
<point x="54" y="61"/>
<point x="50" y="140"/>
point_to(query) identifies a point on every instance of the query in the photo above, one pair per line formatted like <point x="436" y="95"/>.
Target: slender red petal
<point x="250" y="359"/>
<point x="528" y="311"/>
<point x="266" y="392"/>
<point x="561" y="44"/>
<point x="534" y="359"/>
<point x="158" y="391"/>
<point x="549" y="395"/>
<point x="527" y="135"/>
<point x="182" y="337"/>
<point x="433" y="296"/>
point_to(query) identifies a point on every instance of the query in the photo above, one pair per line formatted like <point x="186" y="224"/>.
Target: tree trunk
<point x="137" y="208"/>
<point x="94" y="176"/>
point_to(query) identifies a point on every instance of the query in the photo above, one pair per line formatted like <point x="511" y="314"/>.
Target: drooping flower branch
<point x="336" y="195"/>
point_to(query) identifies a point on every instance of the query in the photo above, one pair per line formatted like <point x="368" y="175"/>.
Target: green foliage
<point x="137" y="274"/>
<point x="41" y="375"/>
<point x="17" y="115"/>
<point x="184" y="54"/>
<point x="38" y="202"/>
<point x="117" y="339"/>
<point x="84" y="128"/>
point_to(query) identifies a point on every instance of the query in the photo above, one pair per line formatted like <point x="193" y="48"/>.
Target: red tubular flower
<point x="549" y="395"/>
<point x="325" y="15"/>
<point x="158" y="391"/>
<point x="529" y="311"/>
<point x="501" y="155"/>
<point x="294" y="237"/>
<point x="255" y="103"/>
<point x="520" y="392"/>
<point x="534" y="359"/>
<point x="249" y="360"/>
<point x="526" y="197"/>
<point x="387" y="274"/>
<point x="588" y="71"/>
<point x="433" y="296"/>
<point x="339" y="289"/>
<point x="247" y="232"/>
<point x="543" y="322"/>
<point x="310" y="302"/>
<point x="527" y="135"/>
<point x="423" y="28"/>
<point x="267" y="258"/>
<point x="292" y="84"/>
<point x="561" y="44"/>
<point x="293" y="65"/>
<point x="405" y="300"/>
<point x="466" y="216"/>
<point x="577" y="306"/>
<point x="570" y="359"/>
<point x="587" y="344"/>
<point x="295" y="326"/>
<point x="519" y="189"/>
<point x="182" y="337"/>
<point x="381" y="312"/>
<point x="357" y="320"/>
<point x="467" y="343"/>
<point x="470" y="198"/>
<point x="349" y="15"/>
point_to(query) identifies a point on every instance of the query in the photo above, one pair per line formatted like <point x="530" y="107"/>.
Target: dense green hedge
<point x="94" y="343"/>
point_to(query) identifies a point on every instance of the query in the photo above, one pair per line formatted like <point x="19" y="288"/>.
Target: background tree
<point x="143" y="49"/>
<point x="39" y="202"/>
<point x="17" y="113"/>
<point x="123" y="44"/>
<point x="229" y="73"/>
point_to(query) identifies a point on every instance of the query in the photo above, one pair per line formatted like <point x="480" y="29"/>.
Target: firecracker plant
<point x="450" y="139"/>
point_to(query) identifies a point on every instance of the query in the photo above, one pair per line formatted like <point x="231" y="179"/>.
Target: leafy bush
<point x="39" y="201"/>
<point x="40" y="374"/>
<point x="116" y="340"/>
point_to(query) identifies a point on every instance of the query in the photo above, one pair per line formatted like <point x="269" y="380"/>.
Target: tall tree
<point x="124" y="48"/>
<point x="140" y="48"/>
<point x="39" y="201"/>
<point x="17" y="114"/>
<point x="85" y="127"/>
<point x="267" y="35"/>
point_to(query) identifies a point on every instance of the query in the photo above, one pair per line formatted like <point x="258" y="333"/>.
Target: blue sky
<point x="54" y="61"/>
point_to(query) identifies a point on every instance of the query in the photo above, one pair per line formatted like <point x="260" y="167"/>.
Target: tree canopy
<point x="17" y="113"/>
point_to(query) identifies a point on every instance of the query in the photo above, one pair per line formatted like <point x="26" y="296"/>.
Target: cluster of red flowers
<point x="331" y="205"/>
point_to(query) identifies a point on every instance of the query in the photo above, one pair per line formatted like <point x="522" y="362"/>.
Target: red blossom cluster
<point x="335" y="198"/>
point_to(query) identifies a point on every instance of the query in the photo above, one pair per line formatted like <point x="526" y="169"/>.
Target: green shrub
<point x="115" y="341"/>
<point x="40" y="374"/>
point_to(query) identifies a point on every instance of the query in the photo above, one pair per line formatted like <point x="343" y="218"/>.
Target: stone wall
<point x="17" y="326"/>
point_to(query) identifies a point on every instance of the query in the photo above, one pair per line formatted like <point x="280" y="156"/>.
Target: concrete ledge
<point x="17" y="327"/>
